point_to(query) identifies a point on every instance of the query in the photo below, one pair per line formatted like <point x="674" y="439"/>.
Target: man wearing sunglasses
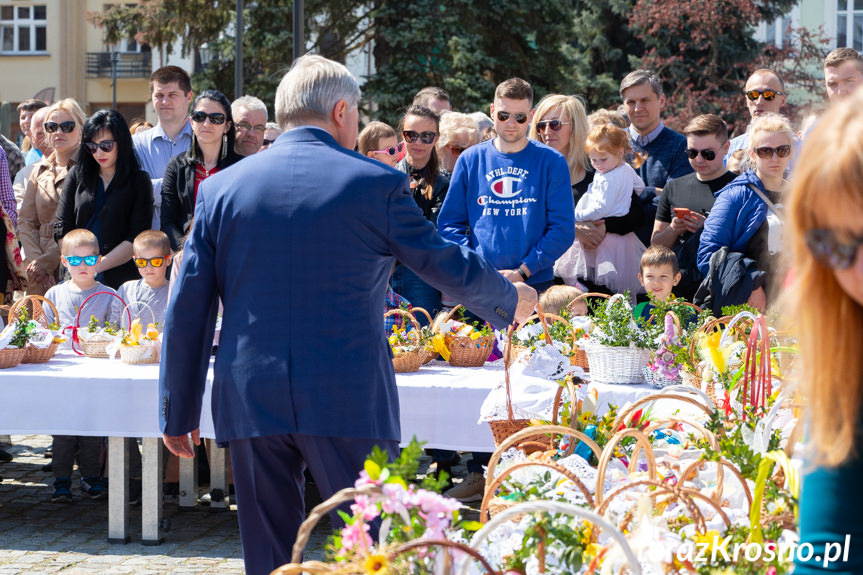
<point x="293" y="240"/>
<point x="686" y="201"/>
<point x="764" y="93"/>
<point x="171" y="93"/>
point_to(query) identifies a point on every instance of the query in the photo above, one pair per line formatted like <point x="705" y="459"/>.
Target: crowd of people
<point x="546" y="194"/>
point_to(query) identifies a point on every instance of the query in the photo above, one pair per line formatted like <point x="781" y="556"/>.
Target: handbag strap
<point x="770" y="205"/>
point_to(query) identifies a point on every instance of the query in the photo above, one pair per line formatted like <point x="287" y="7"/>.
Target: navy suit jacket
<point x="298" y="241"/>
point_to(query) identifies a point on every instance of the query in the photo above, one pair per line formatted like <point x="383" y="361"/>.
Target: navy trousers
<point x="270" y="488"/>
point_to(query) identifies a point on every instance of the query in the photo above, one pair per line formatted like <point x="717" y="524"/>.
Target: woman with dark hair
<point x="420" y="128"/>
<point x="212" y="150"/>
<point x="108" y="194"/>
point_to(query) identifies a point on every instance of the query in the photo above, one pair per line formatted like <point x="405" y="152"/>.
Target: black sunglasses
<point x="765" y="153"/>
<point x="519" y="117"/>
<point x="105" y="145"/>
<point x="708" y="154"/>
<point x="411" y="136"/>
<point x="65" y="127"/>
<point x="216" y="118"/>
<point x="555" y="125"/>
<point x="829" y="251"/>
<point x="768" y="95"/>
<point x="268" y="142"/>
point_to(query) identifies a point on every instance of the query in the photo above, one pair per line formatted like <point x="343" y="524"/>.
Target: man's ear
<point x="340" y="110"/>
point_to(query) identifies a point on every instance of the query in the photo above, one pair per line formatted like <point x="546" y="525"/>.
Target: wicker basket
<point x="619" y="365"/>
<point x="40" y="355"/>
<point x="140" y="354"/>
<point x="467" y="352"/>
<point x="91" y="348"/>
<point x="11" y="356"/>
<point x="429" y="354"/>
<point x="580" y="358"/>
<point x="408" y="361"/>
<point x="34" y="305"/>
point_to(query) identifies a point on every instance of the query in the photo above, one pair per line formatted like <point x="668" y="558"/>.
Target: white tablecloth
<point x="72" y="395"/>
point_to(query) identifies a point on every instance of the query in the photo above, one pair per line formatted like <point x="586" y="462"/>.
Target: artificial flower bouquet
<point x="407" y="343"/>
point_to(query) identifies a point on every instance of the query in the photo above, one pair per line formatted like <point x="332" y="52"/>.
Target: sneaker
<point x="62" y="490"/>
<point x="470" y="490"/>
<point x="93" y="487"/>
<point x="134" y="492"/>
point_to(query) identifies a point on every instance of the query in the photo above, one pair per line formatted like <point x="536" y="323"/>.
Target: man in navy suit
<point x="298" y="243"/>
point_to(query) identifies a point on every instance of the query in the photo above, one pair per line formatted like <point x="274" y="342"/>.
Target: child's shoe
<point x="62" y="490"/>
<point x="93" y="487"/>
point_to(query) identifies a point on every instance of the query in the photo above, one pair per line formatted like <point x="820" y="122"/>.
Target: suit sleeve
<point x="560" y="217"/>
<point x="190" y="323"/>
<point x="171" y="219"/>
<point x="718" y="229"/>
<point x="453" y="220"/>
<point x="456" y="270"/>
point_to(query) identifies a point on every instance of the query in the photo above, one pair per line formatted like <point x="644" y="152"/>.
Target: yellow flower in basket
<point x="439" y="345"/>
<point x="135" y="333"/>
<point x="376" y="564"/>
<point x="152" y="332"/>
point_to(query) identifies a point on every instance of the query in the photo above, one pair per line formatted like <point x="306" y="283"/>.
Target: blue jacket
<point x="298" y="242"/>
<point x="735" y="217"/>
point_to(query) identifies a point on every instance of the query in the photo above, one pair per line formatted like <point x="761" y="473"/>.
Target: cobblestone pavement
<point x="40" y="537"/>
<point x="37" y="536"/>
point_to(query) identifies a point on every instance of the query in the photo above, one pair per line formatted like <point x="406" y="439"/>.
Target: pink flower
<point x="363" y="507"/>
<point x="354" y="536"/>
<point x="364" y="480"/>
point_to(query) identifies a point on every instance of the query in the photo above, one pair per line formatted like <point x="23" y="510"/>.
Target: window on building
<point x="849" y="24"/>
<point x="23" y="29"/>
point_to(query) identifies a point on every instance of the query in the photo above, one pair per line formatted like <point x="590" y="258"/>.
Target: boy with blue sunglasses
<point x="80" y="250"/>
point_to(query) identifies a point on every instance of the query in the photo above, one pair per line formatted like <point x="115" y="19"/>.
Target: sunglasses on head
<point x="105" y="145"/>
<point x="765" y="153"/>
<point x="555" y="125"/>
<point x="708" y="154"/>
<point x="75" y="261"/>
<point x="155" y="262"/>
<point x="393" y="150"/>
<point x="216" y="118"/>
<point x="411" y="136"/>
<point x="768" y="95"/>
<point x="456" y="150"/>
<point x="830" y="251"/>
<point x="65" y="127"/>
<point x="519" y="117"/>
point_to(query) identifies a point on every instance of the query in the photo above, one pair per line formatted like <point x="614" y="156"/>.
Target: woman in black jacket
<point x="212" y="150"/>
<point x="107" y="193"/>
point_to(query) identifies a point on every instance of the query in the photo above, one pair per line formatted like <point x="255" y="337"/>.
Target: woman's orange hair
<point x="610" y="139"/>
<point x="827" y="193"/>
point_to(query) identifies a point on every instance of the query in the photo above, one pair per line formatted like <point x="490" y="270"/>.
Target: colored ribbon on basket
<point x="758" y="375"/>
<point x="75" y="339"/>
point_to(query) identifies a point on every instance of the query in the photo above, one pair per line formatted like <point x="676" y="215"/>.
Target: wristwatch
<point x="524" y="272"/>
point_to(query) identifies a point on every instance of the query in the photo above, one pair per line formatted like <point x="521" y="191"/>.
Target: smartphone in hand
<point x="681" y="212"/>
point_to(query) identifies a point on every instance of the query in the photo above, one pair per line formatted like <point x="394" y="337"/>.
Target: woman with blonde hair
<point x="63" y="124"/>
<point x="824" y="233"/>
<point x="561" y="122"/>
<point x="747" y="218"/>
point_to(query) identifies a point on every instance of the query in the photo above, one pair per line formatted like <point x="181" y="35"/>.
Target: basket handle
<point x="76" y="342"/>
<point x="423" y="311"/>
<point x="421" y="544"/>
<point x="406" y="314"/>
<point x="129" y="314"/>
<point x="37" y="300"/>
<point x="608" y="452"/>
<point x="623" y="416"/>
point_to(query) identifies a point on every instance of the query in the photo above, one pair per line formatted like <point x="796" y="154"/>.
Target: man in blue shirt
<point x="171" y="92"/>
<point x="642" y="95"/>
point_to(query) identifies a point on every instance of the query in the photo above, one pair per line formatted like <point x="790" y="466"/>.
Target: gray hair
<point x="274" y="126"/>
<point x="482" y="121"/>
<point x="453" y="123"/>
<point x="250" y="103"/>
<point x="639" y="77"/>
<point x="311" y="89"/>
